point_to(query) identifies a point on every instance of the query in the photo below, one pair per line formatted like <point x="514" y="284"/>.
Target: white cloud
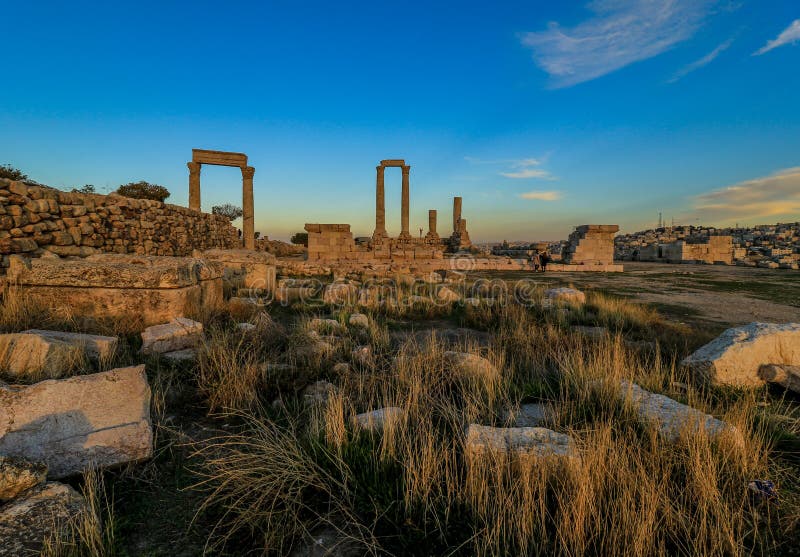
<point x="528" y="173"/>
<point x="704" y="61"/>
<point x="620" y="33"/>
<point x="789" y="35"/>
<point x="541" y="195"/>
<point x="524" y="168"/>
<point x="768" y="197"/>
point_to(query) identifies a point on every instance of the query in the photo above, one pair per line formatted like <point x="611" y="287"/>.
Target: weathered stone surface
<point x="288" y="294"/>
<point x="18" y="475"/>
<point x="378" y="420"/>
<point x="471" y="365"/>
<point x="31" y="356"/>
<point x="532" y="415"/>
<point x="101" y="420"/>
<point x="734" y="358"/>
<point x="563" y="294"/>
<point x="321" y="325"/>
<point x="786" y="376"/>
<point x="96" y="347"/>
<point x="340" y="293"/>
<point x="35" y="517"/>
<point x="538" y="442"/>
<point x="670" y="416"/>
<point x="358" y="320"/>
<point x="245" y="268"/>
<point x="445" y="294"/>
<point x="176" y="335"/>
<point x="318" y="393"/>
<point x="180" y="356"/>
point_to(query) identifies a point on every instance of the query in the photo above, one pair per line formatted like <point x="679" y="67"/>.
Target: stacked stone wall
<point x="591" y="244"/>
<point x="40" y="221"/>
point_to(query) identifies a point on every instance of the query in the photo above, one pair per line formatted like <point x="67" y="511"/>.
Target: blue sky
<point x="542" y="115"/>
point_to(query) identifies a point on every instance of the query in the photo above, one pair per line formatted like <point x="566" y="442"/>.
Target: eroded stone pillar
<point x="248" y="219"/>
<point x="456" y="214"/>
<point x="432" y="221"/>
<point x="194" y="185"/>
<point x="404" y="232"/>
<point x="380" y="205"/>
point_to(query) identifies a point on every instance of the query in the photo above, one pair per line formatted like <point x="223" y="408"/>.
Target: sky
<point x="542" y="115"/>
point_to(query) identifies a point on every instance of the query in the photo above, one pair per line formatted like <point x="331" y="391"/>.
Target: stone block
<point x="26" y="356"/>
<point x="537" y="442"/>
<point x="178" y="334"/>
<point x="71" y="424"/>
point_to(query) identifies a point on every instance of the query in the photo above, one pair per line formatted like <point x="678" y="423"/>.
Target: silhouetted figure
<point x="544" y="259"/>
<point x="536" y="261"/>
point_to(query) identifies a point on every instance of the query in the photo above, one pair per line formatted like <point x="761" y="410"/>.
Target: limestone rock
<point x="379" y="419"/>
<point x="97" y="347"/>
<point x="471" y="365"/>
<point x="358" y="320"/>
<point x="362" y="354"/>
<point x="445" y="294"/>
<point x="340" y="293"/>
<point x="39" y="514"/>
<point x="734" y="358"/>
<point x="672" y="417"/>
<point x="180" y="356"/>
<point x="521" y="441"/>
<point x="178" y="334"/>
<point x="787" y="377"/>
<point x="18" y="475"/>
<point x="342" y="368"/>
<point x="532" y="415"/>
<point x="563" y="294"/>
<point x="70" y="424"/>
<point x="318" y="393"/>
<point x="325" y="325"/>
<point x="34" y="356"/>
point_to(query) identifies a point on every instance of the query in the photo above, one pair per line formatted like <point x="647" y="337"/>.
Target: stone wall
<point x="591" y="244"/>
<point x="713" y="249"/>
<point x="39" y="221"/>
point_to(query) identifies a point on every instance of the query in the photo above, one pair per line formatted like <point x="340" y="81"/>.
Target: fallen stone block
<point x="471" y="365"/>
<point x="531" y="415"/>
<point x="36" y="517"/>
<point x="180" y="356"/>
<point x="735" y="357"/>
<point x="787" y="377"/>
<point x="378" y="420"/>
<point x="245" y="268"/>
<point x="178" y="334"/>
<point x="33" y="356"/>
<point x="71" y="424"/>
<point x="318" y="393"/>
<point x="563" y="294"/>
<point x="99" y="348"/>
<point x="671" y="417"/>
<point x="340" y="293"/>
<point x="520" y="441"/>
<point x="445" y="294"/>
<point x="358" y="320"/>
<point x="18" y="475"/>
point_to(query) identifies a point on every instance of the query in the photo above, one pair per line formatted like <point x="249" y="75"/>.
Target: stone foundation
<point x="244" y="268"/>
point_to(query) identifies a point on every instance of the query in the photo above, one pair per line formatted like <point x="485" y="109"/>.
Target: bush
<point x="231" y="212"/>
<point x="88" y="188"/>
<point x="8" y="171"/>
<point x="301" y="238"/>
<point x="143" y="190"/>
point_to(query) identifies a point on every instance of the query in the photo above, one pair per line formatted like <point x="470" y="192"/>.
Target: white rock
<point x="471" y="365"/>
<point x="245" y="327"/>
<point x="734" y="358"/>
<point x="70" y="424"/>
<point x="563" y="294"/>
<point x="178" y="334"/>
<point x="672" y="417"/>
<point x="532" y="415"/>
<point x="377" y="420"/>
<point x="359" y="320"/>
<point x="522" y="441"/>
<point x="36" y="516"/>
<point x="787" y="377"/>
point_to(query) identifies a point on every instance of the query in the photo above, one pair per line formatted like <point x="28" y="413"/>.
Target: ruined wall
<point x="334" y="242"/>
<point x="40" y="221"/>
<point x="591" y="244"/>
<point x="714" y="249"/>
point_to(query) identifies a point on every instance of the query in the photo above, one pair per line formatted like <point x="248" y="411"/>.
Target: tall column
<point x="456" y="213"/>
<point x="380" y="205"/>
<point x="432" y="221"/>
<point x="404" y="232"/>
<point x="194" y="185"/>
<point x="248" y="221"/>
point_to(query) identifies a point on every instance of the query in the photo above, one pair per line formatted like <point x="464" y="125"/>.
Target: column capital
<point x="406" y="169"/>
<point x="193" y="166"/>
<point x="248" y="171"/>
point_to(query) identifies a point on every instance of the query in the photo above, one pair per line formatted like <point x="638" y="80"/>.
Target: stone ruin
<point x="591" y="244"/>
<point x="706" y="249"/>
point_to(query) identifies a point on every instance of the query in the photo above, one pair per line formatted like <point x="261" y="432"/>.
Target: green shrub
<point x="143" y="190"/>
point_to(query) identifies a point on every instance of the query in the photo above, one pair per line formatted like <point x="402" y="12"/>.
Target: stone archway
<point x="223" y="158"/>
<point x="380" y="205"/>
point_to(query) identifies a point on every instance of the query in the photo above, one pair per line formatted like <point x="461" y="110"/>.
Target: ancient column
<point x="432" y="222"/>
<point x="194" y="185"/>
<point x="380" y="206"/>
<point x="404" y="233"/>
<point x="248" y="223"/>
<point x="456" y="214"/>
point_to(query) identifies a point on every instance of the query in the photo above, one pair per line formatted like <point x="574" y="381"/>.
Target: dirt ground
<point x="715" y="295"/>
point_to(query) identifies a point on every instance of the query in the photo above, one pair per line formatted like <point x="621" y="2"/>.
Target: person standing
<point x="536" y="261"/>
<point x="544" y="259"/>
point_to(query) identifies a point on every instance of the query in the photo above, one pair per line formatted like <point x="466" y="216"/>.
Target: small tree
<point x="230" y="212"/>
<point x="301" y="238"/>
<point x="11" y="173"/>
<point x="143" y="190"/>
<point x="88" y="188"/>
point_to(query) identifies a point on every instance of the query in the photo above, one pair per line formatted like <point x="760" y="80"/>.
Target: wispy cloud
<point x="789" y="35"/>
<point x="522" y="168"/>
<point x="704" y="61"/>
<point x="541" y="195"/>
<point x="620" y="33"/>
<point x="771" y="196"/>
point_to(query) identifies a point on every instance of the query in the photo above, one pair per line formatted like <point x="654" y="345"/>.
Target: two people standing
<point x="540" y="261"/>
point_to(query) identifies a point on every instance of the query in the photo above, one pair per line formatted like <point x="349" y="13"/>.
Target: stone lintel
<point x="221" y="158"/>
<point x="393" y="162"/>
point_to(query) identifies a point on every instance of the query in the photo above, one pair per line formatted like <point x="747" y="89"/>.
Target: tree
<point x="8" y="171"/>
<point x="301" y="238"/>
<point x="88" y="188"/>
<point x="231" y="212"/>
<point x="143" y="190"/>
